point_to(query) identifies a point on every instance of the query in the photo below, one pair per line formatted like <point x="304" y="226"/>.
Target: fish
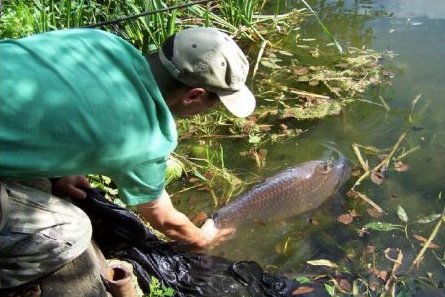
<point x="291" y="192"/>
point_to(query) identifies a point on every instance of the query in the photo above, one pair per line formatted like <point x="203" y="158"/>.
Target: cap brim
<point x="241" y="103"/>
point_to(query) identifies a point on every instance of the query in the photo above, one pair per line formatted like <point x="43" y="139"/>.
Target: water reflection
<point x="414" y="30"/>
<point x="432" y="9"/>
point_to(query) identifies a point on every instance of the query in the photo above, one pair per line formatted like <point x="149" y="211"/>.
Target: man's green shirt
<point x="83" y="101"/>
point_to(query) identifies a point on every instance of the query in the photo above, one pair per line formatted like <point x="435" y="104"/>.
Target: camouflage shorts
<point x="39" y="233"/>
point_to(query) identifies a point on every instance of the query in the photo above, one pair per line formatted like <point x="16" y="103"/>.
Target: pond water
<point x="415" y="31"/>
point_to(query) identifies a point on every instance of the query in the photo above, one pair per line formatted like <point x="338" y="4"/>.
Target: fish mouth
<point x="340" y="164"/>
<point x="343" y="168"/>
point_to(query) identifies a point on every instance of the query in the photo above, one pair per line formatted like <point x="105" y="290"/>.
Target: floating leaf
<point x="303" y="280"/>
<point x="322" y="262"/>
<point x="400" y="166"/>
<point x="384" y="227"/>
<point x="423" y="240"/>
<point x="429" y="219"/>
<point x="402" y="214"/>
<point x="302" y="290"/>
<point x="377" y="177"/>
<point x="346" y="219"/>
<point x="269" y="64"/>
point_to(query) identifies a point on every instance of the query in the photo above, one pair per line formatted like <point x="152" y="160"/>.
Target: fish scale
<point x="291" y="192"/>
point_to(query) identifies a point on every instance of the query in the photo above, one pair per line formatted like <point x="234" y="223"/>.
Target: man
<point x="84" y="101"/>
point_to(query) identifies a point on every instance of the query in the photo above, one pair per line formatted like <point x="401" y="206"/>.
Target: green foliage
<point x="159" y="290"/>
<point x="16" y="21"/>
<point x="383" y="227"/>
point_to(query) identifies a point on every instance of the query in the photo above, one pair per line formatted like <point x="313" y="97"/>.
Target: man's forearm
<point x="164" y="217"/>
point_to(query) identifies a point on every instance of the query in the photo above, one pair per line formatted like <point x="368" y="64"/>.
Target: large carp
<point x="286" y="194"/>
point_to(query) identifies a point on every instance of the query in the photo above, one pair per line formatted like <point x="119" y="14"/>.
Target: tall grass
<point x="22" y="18"/>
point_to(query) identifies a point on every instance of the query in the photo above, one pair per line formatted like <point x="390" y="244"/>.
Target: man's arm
<point x="163" y="216"/>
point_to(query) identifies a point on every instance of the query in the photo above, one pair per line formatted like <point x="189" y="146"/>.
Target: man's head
<point x="213" y="67"/>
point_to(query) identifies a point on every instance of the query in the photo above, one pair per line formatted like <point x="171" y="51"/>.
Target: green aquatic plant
<point x="159" y="290"/>
<point x="325" y="29"/>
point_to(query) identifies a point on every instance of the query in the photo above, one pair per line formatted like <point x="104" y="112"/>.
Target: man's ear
<point x="193" y="95"/>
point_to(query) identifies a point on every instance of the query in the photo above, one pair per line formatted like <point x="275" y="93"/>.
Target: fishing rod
<point x="135" y="16"/>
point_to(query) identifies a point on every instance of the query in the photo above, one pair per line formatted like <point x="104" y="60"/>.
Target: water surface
<point x="415" y="31"/>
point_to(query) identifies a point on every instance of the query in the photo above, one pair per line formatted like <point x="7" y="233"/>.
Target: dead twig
<point x="389" y="285"/>
<point x="260" y="55"/>
<point x="420" y="255"/>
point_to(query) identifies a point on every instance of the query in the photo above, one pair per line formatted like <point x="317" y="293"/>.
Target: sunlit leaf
<point x="303" y="279"/>
<point x="269" y="64"/>
<point x="402" y="214"/>
<point x="322" y="262"/>
<point x="286" y="53"/>
<point x="330" y="289"/>
<point x="254" y="139"/>
<point x="429" y="219"/>
<point x="302" y="290"/>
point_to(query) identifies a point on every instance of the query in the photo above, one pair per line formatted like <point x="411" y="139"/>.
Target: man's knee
<point x="41" y="233"/>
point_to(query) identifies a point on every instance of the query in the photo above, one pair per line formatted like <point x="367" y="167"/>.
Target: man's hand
<point x="71" y="186"/>
<point x="214" y="236"/>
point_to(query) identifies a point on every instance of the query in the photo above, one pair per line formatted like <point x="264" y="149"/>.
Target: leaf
<point x="254" y="139"/>
<point x="423" y="240"/>
<point x="402" y="214"/>
<point x="330" y="289"/>
<point x="400" y="166"/>
<point x="269" y="64"/>
<point x="322" y="262"/>
<point x="384" y="227"/>
<point x="302" y="290"/>
<point x="346" y="219"/>
<point x="429" y="219"/>
<point x="303" y="280"/>
<point x="377" y="177"/>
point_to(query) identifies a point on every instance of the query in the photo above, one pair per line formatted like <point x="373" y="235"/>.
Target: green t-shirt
<point x="83" y="101"/>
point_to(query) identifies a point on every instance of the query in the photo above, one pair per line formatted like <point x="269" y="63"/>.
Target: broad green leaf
<point x="384" y="227"/>
<point x="303" y="280"/>
<point x="322" y="262"/>
<point x="402" y="214"/>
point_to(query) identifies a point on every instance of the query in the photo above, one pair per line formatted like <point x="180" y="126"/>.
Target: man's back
<point x="76" y="102"/>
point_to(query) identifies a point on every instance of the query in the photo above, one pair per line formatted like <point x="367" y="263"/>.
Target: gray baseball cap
<point x="208" y="58"/>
